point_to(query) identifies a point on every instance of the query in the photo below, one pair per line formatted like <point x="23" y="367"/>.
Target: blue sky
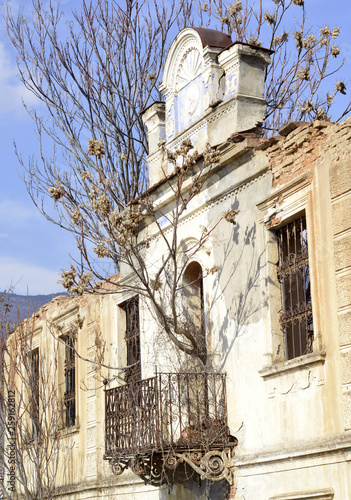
<point x="32" y="250"/>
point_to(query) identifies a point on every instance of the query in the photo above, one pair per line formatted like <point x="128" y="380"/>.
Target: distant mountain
<point x="24" y="305"/>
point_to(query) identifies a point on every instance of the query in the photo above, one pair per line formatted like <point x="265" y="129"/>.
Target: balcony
<point x="170" y="428"/>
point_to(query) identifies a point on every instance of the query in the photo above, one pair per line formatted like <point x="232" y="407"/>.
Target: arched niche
<point x="193" y="305"/>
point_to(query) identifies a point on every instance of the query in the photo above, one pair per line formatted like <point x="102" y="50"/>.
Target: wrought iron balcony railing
<point x="170" y="428"/>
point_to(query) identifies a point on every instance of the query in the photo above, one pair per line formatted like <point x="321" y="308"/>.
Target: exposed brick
<point x="342" y="133"/>
<point x="303" y="149"/>
<point x="302" y="133"/>
<point x="300" y="140"/>
<point x="309" y="148"/>
<point x="287" y="145"/>
<point x="290" y="127"/>
<point x="274" y="148"/>
<point x="335" y="142"/>
<point x="342" y="126"/>
<point x="321" y="124"/>
<point x="286" y="162"/>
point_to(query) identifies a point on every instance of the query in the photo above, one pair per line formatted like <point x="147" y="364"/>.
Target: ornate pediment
<point x="191" y="77"/>
<point x="212" y="88"/>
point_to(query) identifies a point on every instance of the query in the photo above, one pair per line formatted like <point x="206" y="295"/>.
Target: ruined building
<point x="270" y="416"/>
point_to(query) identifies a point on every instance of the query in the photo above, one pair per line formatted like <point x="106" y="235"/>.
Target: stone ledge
<point x="292" y="364"/>
<point x="327" y="451"/>
<point x="68" y="431"/>
<point x="307" y="495"/>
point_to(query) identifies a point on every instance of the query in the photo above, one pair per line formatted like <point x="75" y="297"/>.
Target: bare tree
<point x="29" y="417"/>
<point x="96" y="70"/>
<point x="302" y="80"/>
<point x="94" y="76"/>
<point x="160" y="284"/>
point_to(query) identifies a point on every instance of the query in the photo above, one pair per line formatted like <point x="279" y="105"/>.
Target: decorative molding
<point x="222" y="198"/>
<point x="186" y="42"/>
<point x="69" y="431"/>
<point x="279" y="201"/>
<point x="37" y="336"/>
<point x="345" y="348"/>
<point x="346" y="388"/>
<point x="192" y="99"/>
<point x="209" y="116"/>
<point x="189" y="67"/>
<point x="120" y="297"/>
<point x="91" y="325"/>
<point x="343" y="272"/>
<point x="344" y="309"/>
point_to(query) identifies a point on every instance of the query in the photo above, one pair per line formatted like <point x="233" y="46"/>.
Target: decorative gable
<point x="191" y="78"/>
<point x="212" y="88"/>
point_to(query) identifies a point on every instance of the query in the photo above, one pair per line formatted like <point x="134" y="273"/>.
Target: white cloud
<point x="21" y="275"/>
<point x="12" y="91"/>
<point x="13" y="211"/>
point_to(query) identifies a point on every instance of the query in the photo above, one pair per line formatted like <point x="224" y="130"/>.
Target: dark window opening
<point x="294" y="276"/>
<point x="194" y="308"/>
<point x="69" y="398"/>
<point x="132" y="337"/>
<point x="34" y="389"/>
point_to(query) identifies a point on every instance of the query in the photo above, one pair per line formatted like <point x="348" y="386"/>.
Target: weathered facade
<point x="275" y="302"/>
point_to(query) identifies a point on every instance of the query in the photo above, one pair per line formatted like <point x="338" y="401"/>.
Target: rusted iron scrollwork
<point x="171" y="428"/>
<point x="217" y="466"/>
<point x="119" y="465"/>
<point x="143" y="466"/>
<point x="181" y="467"/>
<point x="214" y="465"/>
<point x="147" y="469"/>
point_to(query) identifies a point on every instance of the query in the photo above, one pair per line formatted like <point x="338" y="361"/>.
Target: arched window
<point x="194" y="305"/>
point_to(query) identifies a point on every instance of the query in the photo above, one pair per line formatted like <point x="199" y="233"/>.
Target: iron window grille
<point x="294" y="276"/>
<point x="69" y="398"/>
